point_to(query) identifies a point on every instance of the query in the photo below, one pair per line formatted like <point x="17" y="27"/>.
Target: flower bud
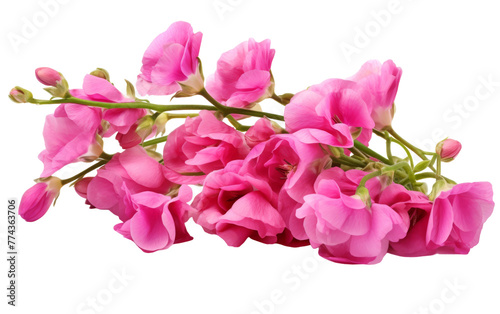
<point x="37" y="199"/>
<point x="100" y="73"/>
<point x="448" y="149"/>
<point x="145" y="127"/>
<point x="48" y="76"/>
<point x="20" y="95"/>
<point x="161" y="122"/>
<point x="440" y="186"/>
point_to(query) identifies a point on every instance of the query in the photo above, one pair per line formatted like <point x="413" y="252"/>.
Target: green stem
<point x="182" y="115"/>
<point x="388" y="147"/>
<point x="238" y="126"/>
<point x="214" y="102"/>
<point x="371" y="153"/>
<point x="154" y="141"/>
<point x="84" y="172"/>
<point x="415" y="149"/>
<point x="278" y="99"/>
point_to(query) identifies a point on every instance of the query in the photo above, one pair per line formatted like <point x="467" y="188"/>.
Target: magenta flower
<point x="134" y="168"/>
<point x="201" y="145"/>
<point x="98" y="89"/>
<point x="382" y="80"/>
<point x="237" y="207"/>
<point x="261" y="131"/>
<point x="37" y="199"/>
<point x="158" y="220"/>
<point x="171" y="63"/>
<point x="329" y="112"/>
<point x="48" y="76"/>
<point x="344" y="228"/>
<point x="70" y="135"/>
<point x="448" y="149"/>
<point x="243" y="75"/>
<point x="457" y="217"/>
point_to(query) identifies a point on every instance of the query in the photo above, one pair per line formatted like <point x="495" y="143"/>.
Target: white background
<point x="73" y="254"/>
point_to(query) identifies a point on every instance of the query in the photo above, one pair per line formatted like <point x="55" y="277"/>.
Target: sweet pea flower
<point x="261" y="131"/>
<point x="134" y="168"/>
<point x="170" y="64"/>
<point x="37" y="199"/>
<point x="457" y="217"/>
<point x="237" y="207"/>
<point x="243" y="76"/>
<point x="121" y="120"/>
<point x="382" y="80"/>
<point x="345" y="228"/>
<point x="448" y="149"/>
<point x="328" y="113"/>
<point x="48" y="76"/>
<point x="70" y="135"/>
<point x="284" y="161"/>
<point x="158" y="220"/>
<point x="201" y="145"/>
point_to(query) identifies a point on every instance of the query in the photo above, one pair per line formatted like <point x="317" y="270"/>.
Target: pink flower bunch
<point x="309" y="177"/>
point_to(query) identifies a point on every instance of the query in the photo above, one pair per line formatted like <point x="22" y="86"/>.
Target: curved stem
<point x="278" y="99"/>
<point x="371" y="153"/>
<point x="214" y="102"/>
<point x="84" y="172"/>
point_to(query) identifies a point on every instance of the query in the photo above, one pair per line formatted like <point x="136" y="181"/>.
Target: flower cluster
<point x="308" y="177"/>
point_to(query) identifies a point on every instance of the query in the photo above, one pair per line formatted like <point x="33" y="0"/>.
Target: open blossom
<point x="237" y="207"/>
<point x="37" y="199"/>
<point x="243" y="75"/>
<point x="457" y="217"/>
<point x="344" y="228"/>
<point x="71" y="135"/>
<point x="158" y="221"/>
<point x="328" y="113"/>
<point x="134" y="168"/>
<point x="202" y="144"/>
<point x="382" y="80"/>
<point x="171" y="63"/>
<point x="121" y="120"/>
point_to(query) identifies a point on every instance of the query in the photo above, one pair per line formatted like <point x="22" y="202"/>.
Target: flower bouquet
<point x="307" y="177"/>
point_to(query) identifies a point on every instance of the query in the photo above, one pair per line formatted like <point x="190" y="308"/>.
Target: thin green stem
<point x="213" y="101"/>
<point x="238" y="126"/>
<point x="182" y="115"/>
<point x="154" y="141"/>
<point x="415" y="149"/>
<point x="84" y="172"/>
<point x="388" y="147"/>
<point x="371" y="153"/>
<point x="278" y="99"/>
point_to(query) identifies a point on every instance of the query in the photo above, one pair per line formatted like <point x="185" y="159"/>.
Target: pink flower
<point x="448" y="149"/>
<point x="344" y="228"/>
<point x="48" y="76"/>
<point x="171" y="63"/>
<point x="121" y="120"/>
<point x="158" y="220"/>
<point x="37" y="199"/>
<point x="414" y="208"/>
<point x="382" y="80"/>
<point x="261" y="131"/>
<point x="238" y="207"/>
<point x="136" y="170"/>
<point x="457" y="217"/>
<point x="329" y="112"/>
<point x="284" y="161"/>
<point x="70" y="135"/>
<point x="243" y="75"/>
<point x="202" y="145"/>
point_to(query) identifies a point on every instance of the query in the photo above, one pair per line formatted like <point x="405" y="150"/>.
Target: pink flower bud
<point x="20" y="95"/>
<point x="448" y="149"/>
<point x="37" y="199"/>
<point x="48" y="76"/>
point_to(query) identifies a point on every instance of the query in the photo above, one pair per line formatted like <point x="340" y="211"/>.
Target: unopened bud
<point x="99" y="72"/>
<point x="161" y="122"/>
<point x="48" y="76"/>
<point x="145" y="126"/>
<point x="20" y="95"/>
<point x="448" y="149"/>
